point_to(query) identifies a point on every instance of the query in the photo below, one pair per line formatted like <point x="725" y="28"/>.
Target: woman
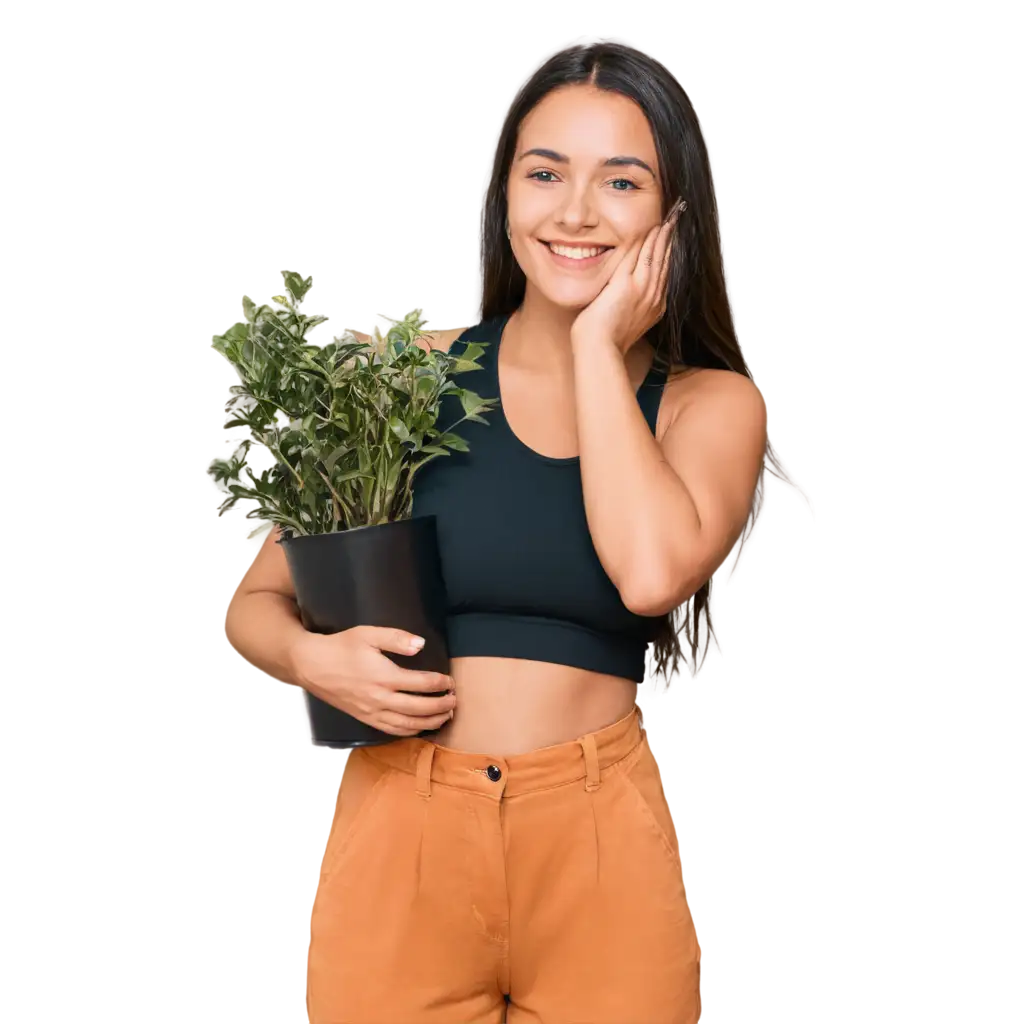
<point x="517" y="860"/>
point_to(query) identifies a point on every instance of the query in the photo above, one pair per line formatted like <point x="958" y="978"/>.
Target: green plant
<point x="359" y="416"/>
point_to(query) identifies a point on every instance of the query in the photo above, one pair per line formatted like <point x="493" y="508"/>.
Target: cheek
<point x="633" y="226"/>
<point x="527" y="218"/>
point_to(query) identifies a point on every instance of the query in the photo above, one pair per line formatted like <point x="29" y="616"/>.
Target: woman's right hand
<point x="349" y="671"/>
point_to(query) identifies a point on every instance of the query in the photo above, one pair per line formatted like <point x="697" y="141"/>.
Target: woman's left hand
<point x="633" y="300"/>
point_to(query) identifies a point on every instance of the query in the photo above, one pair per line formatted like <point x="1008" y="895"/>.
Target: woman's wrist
<point x="298" y="656"/>
<point x="582" y="341"/>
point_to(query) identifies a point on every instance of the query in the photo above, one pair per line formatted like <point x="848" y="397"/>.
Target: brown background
<point x="848" y="777"/>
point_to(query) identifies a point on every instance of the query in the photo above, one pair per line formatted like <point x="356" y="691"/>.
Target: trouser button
<point x="493" y="772"/>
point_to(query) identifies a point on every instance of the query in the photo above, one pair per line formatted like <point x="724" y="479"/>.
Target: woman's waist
<point x="514" y="705"/>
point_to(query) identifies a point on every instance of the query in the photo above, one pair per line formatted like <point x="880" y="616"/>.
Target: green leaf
<point x="470" y="402"/>
<point x="472" y="350"/>
<point x="456" y="443"/>
<point x="398" y="427"/>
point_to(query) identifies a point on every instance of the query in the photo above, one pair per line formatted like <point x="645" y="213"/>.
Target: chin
<point x="569" y="298"/>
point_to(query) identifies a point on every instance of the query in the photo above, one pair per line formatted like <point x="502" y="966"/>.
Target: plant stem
<point x="281" y="458"/>
<point x="327" y="480"/>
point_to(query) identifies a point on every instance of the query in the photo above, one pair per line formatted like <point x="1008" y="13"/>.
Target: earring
<point x="507" y="231"/>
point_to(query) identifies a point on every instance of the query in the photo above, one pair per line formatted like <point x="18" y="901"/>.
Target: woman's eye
<point x="617" y="184"/>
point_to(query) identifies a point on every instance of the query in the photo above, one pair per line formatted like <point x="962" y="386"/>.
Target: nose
<point x="578" y="212"/>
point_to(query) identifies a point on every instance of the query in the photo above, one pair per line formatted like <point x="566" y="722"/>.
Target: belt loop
<point x="424" y="762"/>
<point x="590" y="757"/>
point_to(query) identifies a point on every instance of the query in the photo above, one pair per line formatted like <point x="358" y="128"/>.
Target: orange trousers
<point x="535" y="888"/>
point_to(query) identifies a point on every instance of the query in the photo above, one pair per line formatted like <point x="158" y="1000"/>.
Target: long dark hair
<point x="697" y="328"/>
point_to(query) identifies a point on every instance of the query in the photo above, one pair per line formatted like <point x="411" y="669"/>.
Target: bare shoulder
<point x="716" y="442"/>
<point x="696" y="387"/>
<point x="442" y="340"/>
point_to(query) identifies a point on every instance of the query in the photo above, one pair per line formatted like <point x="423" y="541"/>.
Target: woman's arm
<point x="263" y="622"/>
<point x="664" y="516"/>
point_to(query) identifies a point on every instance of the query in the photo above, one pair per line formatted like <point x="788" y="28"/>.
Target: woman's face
<point x="567" y="193"/>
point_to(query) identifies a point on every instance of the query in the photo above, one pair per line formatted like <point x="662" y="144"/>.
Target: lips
<point x="568" y="263"/>
<point x="576" y="251"/>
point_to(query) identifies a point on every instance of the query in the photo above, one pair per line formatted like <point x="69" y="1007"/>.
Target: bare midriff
<point x="511" y="705"/>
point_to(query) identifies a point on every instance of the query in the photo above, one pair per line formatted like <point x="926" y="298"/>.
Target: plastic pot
<point x="386" y="575"/>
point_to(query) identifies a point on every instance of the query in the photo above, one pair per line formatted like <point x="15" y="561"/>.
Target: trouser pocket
<point x="362" y="785"/>
<point x="641" y="777"/>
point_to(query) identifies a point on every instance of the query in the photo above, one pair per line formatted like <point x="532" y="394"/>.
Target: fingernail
<point x="416" y="643"/>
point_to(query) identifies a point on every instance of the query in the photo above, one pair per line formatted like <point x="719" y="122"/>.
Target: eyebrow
<point x="613" y="161"/>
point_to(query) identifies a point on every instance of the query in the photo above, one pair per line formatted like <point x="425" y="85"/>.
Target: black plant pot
<point x="387" y="575"/>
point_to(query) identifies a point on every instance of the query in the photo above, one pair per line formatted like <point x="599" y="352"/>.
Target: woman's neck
<point x="541" y="336"/>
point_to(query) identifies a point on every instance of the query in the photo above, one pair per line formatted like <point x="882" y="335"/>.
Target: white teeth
<point x="576" y="253"/>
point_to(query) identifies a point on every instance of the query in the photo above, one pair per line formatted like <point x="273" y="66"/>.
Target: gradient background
<point x="845" y="770"/>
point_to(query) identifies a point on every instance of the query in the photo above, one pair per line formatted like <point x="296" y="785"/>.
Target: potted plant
<point x="348" y="425"/>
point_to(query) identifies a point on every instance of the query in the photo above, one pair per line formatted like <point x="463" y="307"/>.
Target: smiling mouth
<point x="581" y="254"/>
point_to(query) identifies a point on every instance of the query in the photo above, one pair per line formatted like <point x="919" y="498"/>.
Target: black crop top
<point x="519" y="565"/>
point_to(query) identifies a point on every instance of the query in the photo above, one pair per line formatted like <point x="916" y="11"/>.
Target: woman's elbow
<point x="654" y="598"/>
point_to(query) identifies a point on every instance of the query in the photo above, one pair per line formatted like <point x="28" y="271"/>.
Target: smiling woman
<point x="622" y="462"/>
